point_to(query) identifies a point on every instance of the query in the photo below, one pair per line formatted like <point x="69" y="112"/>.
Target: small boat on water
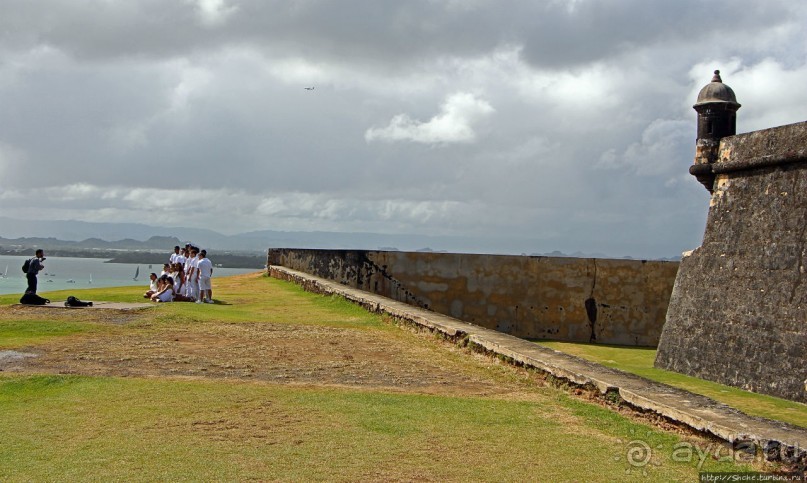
<point x="5" y="274"/>
<point x="90" y="278"/>
<point x="137" y="273"/>
<point x="71" y="281"/>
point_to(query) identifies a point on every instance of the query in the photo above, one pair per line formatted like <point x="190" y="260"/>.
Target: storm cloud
<point x="568" y="123"/>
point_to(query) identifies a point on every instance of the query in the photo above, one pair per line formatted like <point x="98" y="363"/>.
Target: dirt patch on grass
<point x="105" y="313"/>
<point x="282" y="353"/>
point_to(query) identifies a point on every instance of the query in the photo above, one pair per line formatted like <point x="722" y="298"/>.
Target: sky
<point x="568" y="124"/>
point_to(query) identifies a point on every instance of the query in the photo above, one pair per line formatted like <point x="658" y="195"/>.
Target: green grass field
<point x="97" y="423"/>
<point x="639" y="361"/>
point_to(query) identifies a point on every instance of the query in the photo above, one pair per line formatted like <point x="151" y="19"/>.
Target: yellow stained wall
<point x="571" y="299"/>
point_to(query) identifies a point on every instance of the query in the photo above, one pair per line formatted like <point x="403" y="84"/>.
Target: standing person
<point x="34" y="267"/>
<point x="205" y="268"/>
<point x="192" y="275"/>
<point x="181" y="286"/>
<point x="173" y="258"/>
<point x="182" y="257"/>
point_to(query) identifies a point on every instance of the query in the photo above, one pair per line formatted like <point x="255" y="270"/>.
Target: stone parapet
<point x="570" y="299"/>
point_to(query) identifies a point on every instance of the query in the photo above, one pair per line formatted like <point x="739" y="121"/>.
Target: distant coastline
<point x="151" y="258"/>
<point x="125" y="251"/>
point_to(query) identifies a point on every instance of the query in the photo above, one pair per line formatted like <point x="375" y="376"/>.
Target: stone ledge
<point x="775" y="146"/>
<point x="757" y="163"/>
<point x="697" y="412"/>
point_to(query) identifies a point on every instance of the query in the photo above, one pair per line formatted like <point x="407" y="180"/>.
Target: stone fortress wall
<point x="569" y="299"/>
<point x="738" y="312"/>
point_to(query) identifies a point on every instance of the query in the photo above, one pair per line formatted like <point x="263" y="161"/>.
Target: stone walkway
<point x="695" y="411"/>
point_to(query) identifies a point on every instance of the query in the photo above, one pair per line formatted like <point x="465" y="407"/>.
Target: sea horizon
<point x="65" y="273"/>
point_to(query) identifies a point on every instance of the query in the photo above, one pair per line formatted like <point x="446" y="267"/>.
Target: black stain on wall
<point x="591" y="311"/>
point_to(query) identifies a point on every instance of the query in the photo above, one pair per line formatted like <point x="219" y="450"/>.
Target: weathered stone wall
<point x="738" y="313"/>
<point x="572" y="299"/>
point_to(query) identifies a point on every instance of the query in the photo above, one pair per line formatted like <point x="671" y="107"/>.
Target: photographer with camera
<point x="34" y="267"/>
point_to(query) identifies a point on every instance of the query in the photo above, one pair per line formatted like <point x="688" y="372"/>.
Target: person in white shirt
<point x="205" y="269"/>
<point x="152" y="286"/>
<point x="182" y="257"/>
<point x="166" y="294"/>
<point x="181" y="286"/>
<point x="173" y="258"/>
<point x="179" y="278"/>
<point x="192" y="275"/>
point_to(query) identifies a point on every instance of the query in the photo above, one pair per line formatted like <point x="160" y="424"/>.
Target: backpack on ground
<point x="33" y="299"/>
<point x="74" y="302"/>
<point x="26" y="266"/>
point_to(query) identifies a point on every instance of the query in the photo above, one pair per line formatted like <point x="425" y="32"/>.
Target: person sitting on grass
<point x="152" y="286"/>
<point x="166" y="293"/>
<point x="178" y="275"/>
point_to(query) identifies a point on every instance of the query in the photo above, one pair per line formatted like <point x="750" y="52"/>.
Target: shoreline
<point x="220" y="259"/>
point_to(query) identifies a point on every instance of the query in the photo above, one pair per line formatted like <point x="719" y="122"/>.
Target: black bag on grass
<point x="33" y="299"/>
<point x="74" y="302"/>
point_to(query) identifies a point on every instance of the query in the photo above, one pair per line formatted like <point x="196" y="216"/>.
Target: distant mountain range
<point x="123" y="235"/>
<point x="153" y="244"/>
<point x="82" y="235"/>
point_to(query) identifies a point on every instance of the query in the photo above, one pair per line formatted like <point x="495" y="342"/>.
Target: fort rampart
<point x="738" y="309"/>
<point x="738" y="313"/>
<point x="571" y="299"/>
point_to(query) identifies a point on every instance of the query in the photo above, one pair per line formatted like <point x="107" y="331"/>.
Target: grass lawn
<point x="639" y="361"/>
<point x="274" y="383"/>
<point x="77" y="428"/>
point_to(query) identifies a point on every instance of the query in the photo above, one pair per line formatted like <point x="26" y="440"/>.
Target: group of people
<point x="185" y="278"/>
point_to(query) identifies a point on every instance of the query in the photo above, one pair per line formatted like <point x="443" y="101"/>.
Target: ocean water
<point x="63" y="273"/>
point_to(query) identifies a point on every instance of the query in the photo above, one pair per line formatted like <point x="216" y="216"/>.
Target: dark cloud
<point x="553" y="34"/>
<point x="568" y="122"/>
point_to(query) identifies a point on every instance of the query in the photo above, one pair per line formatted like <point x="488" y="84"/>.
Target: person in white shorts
<point x="192" y="274"/>
<point x="205" y="269"/>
